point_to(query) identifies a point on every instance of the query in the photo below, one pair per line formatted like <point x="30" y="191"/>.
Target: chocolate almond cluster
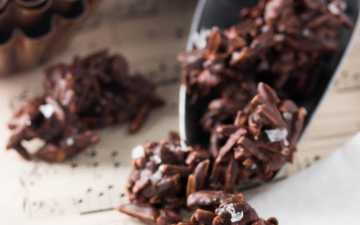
<point x="280" y="42"/>
<point x="42" y="129"/>
<point x="92" y="92"/>
<point x="277" y="46"/>
<point x="164" y="172"/>
<point x="209" y="208"/>
<point x="100" y="90"/>
<point x="247" y="76"/>
<point x="261" y="139"/>
<point x="220" y="208"/>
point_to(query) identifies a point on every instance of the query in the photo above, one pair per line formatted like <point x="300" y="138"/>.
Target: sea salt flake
<point x="276" y="135"/>
<point x="47" y="110"/>
<point x="67" y="97"/>
<point x="156" y="155"/>
<point x="286" y="143"/>
<point x="156" y="177"/>
<point x="70" y="141"/>
<point x="199" y="39"/>
<point x="185" y="148"/>
<point x="334" y="9"/>
<point x="288" y="116"/>
<point x="230" y="208"/>
<point x="253" y="167"/>
<point x="33" y="145"/>
<point x="279" y="37"/>
<point x="306" y="33"/>
<point x="156" y="159"/>
<point x="265" y="28"/>
<point x="138" y="152"/>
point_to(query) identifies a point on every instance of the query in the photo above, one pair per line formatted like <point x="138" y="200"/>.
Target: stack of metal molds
<point x="34" y="30"/>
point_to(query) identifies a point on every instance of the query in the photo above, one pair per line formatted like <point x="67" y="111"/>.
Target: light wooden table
<point x="150" y="33"/>
<point x="338" y="117"/>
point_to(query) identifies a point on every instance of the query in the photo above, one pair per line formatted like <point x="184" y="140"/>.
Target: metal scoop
<point x="225" y="13"/>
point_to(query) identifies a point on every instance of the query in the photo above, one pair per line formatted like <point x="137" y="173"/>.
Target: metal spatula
<point x="224" y="13"/>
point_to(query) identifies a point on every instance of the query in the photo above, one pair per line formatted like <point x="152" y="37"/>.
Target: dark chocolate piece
<point x="90" y="93"/>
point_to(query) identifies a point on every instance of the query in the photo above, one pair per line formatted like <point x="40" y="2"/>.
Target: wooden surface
<point x="150" y="33"/>
<point x="338" y="117"/>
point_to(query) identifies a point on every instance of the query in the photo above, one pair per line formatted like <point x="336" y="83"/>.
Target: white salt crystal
<point x="288" y="116"/>
<point x="334" y="9"/>
<point x="199" y="39"/>
<point x="70" y="141"/>
<point x="67" y="97"/>
<point x="156" y="159"/>
<point x="276" y="135"/>
<point x="306" y="32"/>
<point x="230" y="208"/>
<point x="156" y="155"/>
<point x="47" y="110"/>
<point x="33" y="145"/>
<point x="156" y="177"/>
<point x="138" y="152"/>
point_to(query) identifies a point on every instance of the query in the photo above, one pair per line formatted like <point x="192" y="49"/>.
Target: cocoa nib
<point x="90" y="93"/>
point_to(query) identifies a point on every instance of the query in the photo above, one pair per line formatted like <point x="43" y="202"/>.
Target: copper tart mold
<point x="32" y="31"/>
